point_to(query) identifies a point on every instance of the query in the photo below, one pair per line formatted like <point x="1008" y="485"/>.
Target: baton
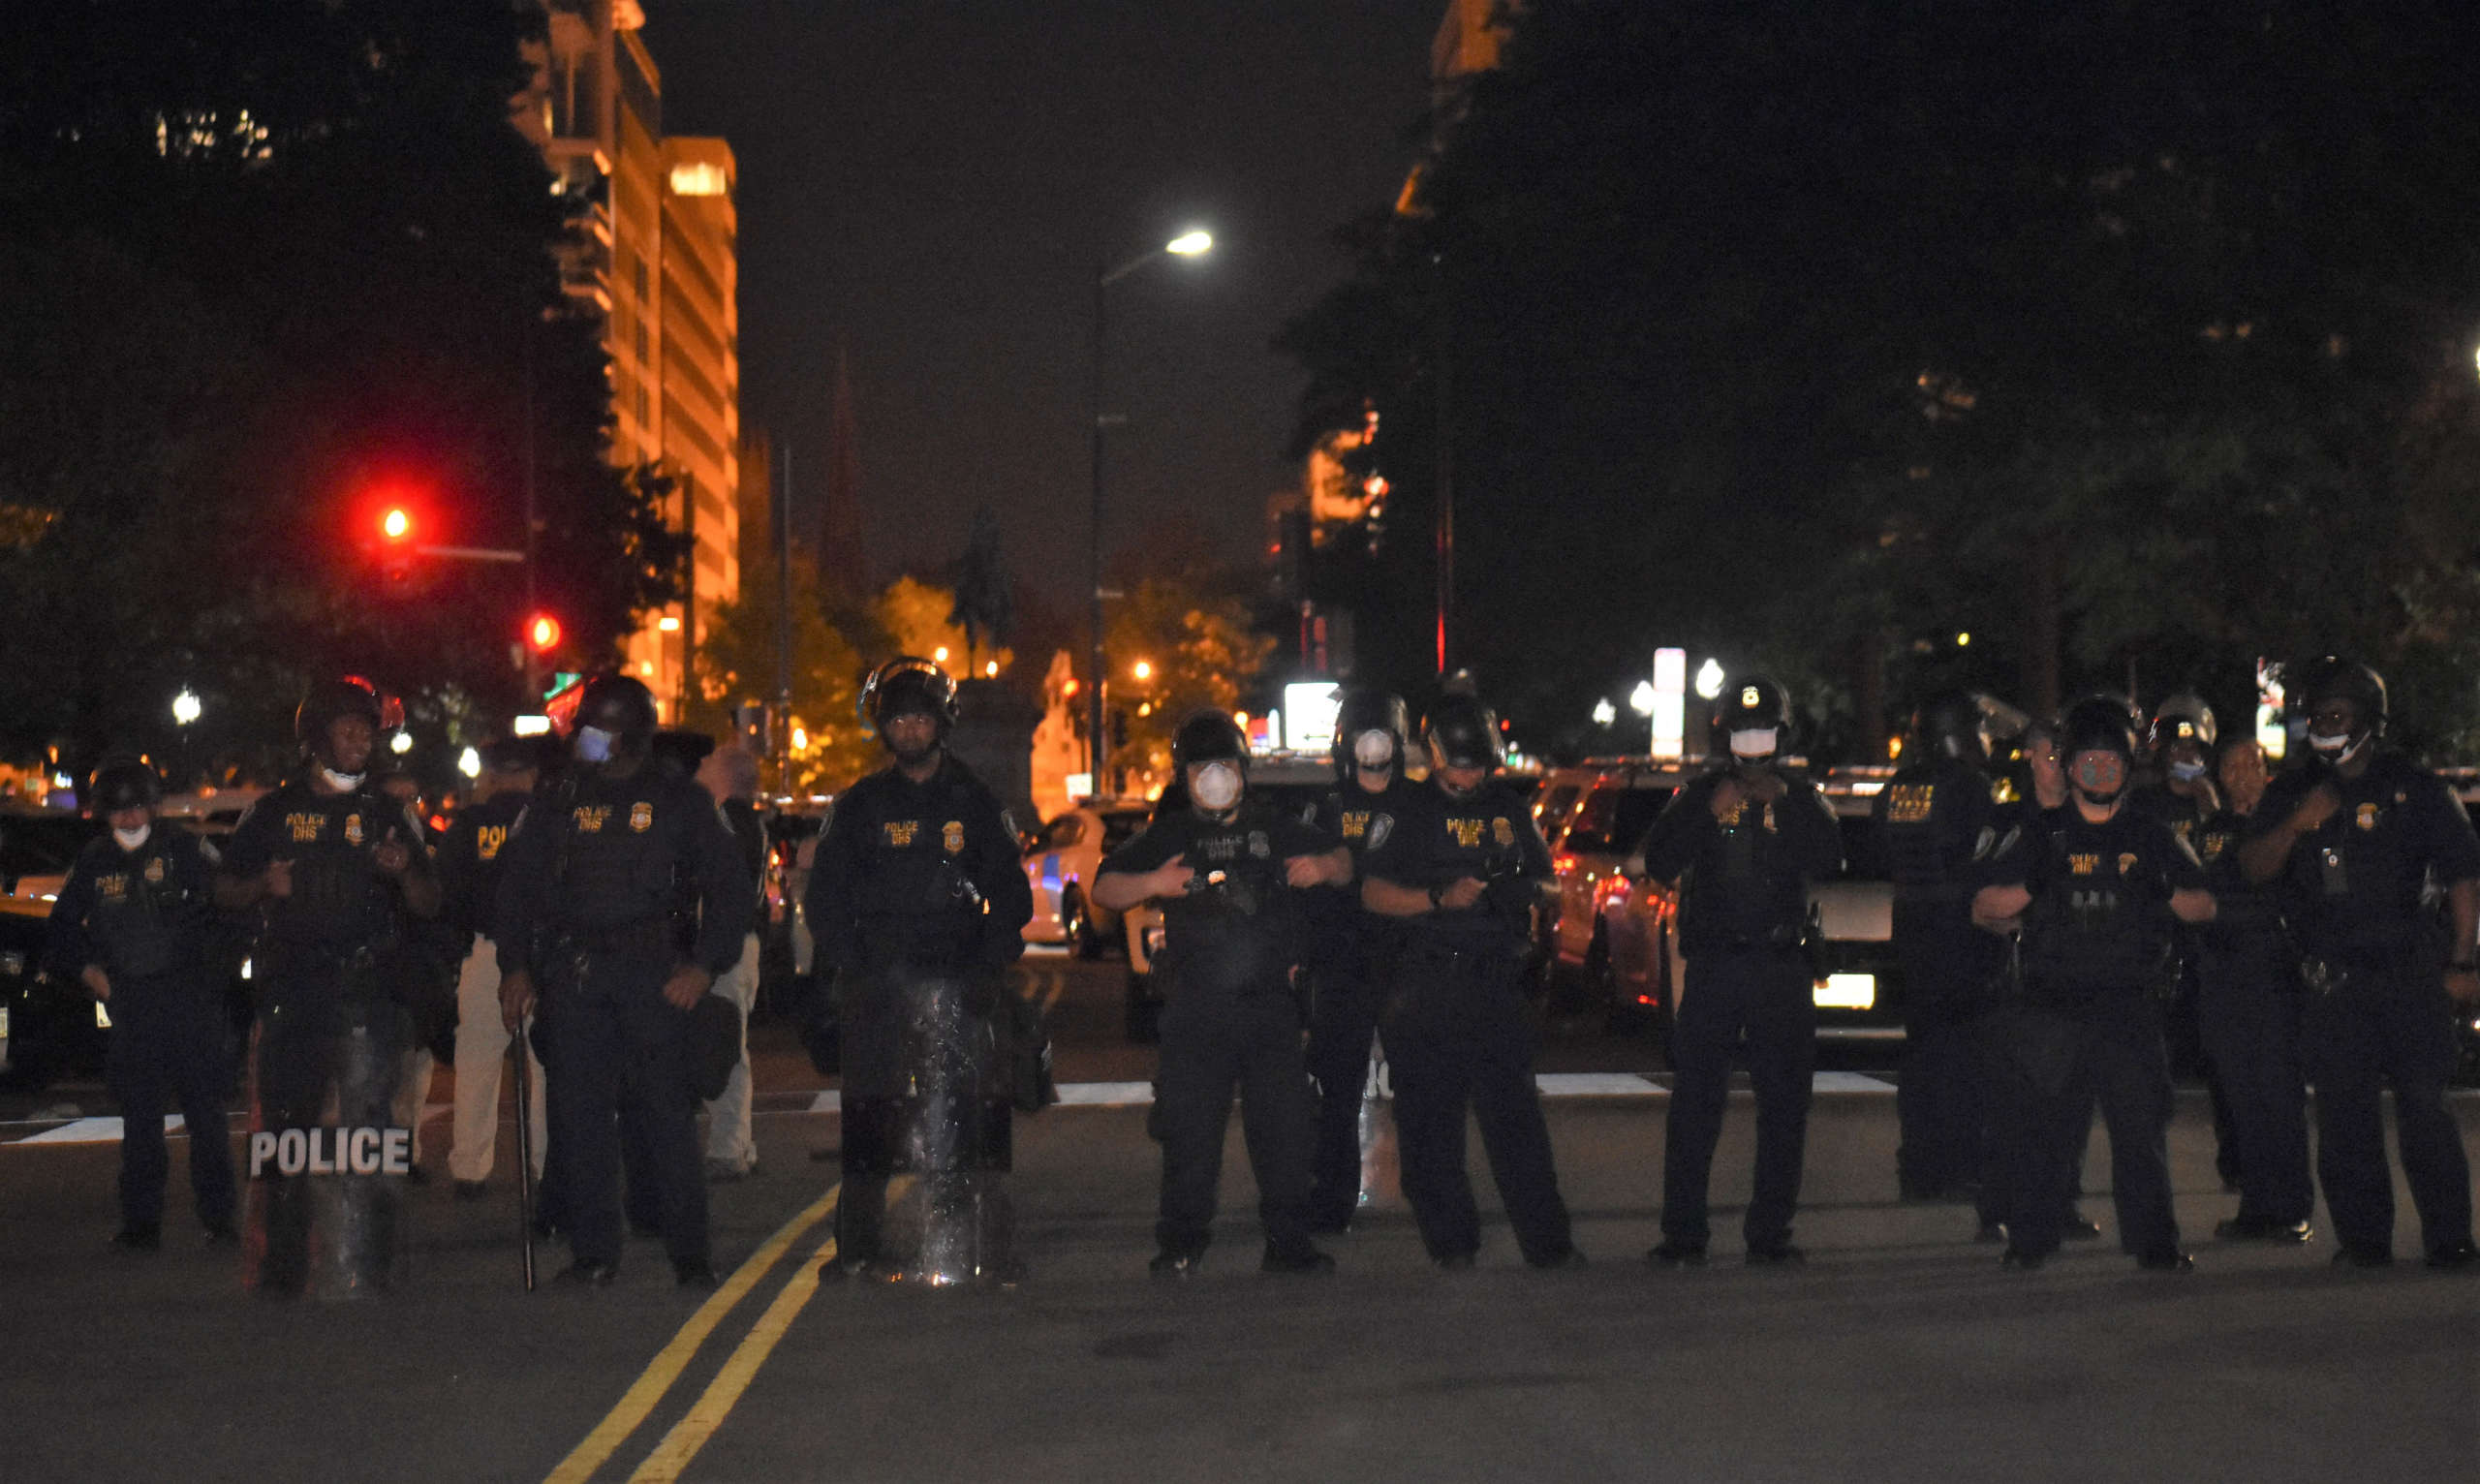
<point x="525" y="1149"/>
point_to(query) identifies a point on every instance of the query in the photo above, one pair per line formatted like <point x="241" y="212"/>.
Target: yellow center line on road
<point x="641" y="1397"/>
<point x="722" y="1394"/>
<point x="692" y="1432"/>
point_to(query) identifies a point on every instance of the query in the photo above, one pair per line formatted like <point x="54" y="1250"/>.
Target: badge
<point x="155" y="870"/>
<point x="953" y="837"/>
<point x="2127" y="861"/>
<point x="1260" y="845"/>
<point x="1749" y="697"/>
<point x="2367" y="816"/>
<point x="353" y="829"/>
<point x="642" y="816"/>
<point x="1502" y="832"/>
<point x="1380" y="825"/>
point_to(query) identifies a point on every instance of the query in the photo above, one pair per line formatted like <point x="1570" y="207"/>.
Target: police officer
<point x="1932" y="816"/>
<point x="2248" y="1009"/>
<point x="1462" y="871"/>
<point x="1228" y="870"/>
<point x="1741" y="843"/>
<point x="469" y="866"/>
<point x="2350" y="841"/>
<point x="917" y="898"/>
<point x="340" y="872"/>
<point x="1351" y="949"/>
<point x="131" y="923"/>
<point x="593" y="881"/>
<point x="2180" y="793"/>
<point x="2097" y="898"/>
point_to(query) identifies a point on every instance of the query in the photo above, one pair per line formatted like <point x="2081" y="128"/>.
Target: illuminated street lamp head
<point x="1709" y="679"/>
<point x="401" y="743"/>
<point x="185" y="707"/>
<point x="1604" y="713"/>
<point x="1641" y="700"/>
<point x="1142" y="669"/>
<point x="1189" y="244"/>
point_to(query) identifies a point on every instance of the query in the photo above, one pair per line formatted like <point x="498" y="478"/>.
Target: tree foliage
<point x="290" y="259"/>
<point x="1809" y="334"/>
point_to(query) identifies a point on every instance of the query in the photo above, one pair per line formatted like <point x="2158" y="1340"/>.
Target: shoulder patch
<point x="1008" y="822"/>
<point x="1380" y="825"/>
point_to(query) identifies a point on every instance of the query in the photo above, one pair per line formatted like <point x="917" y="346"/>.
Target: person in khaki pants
<point x="730" y="773"/>
<point x="468" y="864"/>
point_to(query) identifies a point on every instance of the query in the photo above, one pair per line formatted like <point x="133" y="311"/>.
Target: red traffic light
<point x="397" y="523"/>
<point x="542" y="632"/>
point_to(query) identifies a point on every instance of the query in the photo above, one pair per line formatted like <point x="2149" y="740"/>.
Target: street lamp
<point x="1142" y="669"/>
<point x="1709" y="679"/>
<point x="185" y="710"/>
<point x="1187" y="244"/>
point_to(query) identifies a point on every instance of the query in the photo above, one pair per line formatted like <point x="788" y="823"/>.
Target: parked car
<point x="1610" y="939"/>
<point x="1060" y="866"/>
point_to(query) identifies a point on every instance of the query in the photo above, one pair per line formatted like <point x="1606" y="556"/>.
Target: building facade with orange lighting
<point x="660" y="264"/>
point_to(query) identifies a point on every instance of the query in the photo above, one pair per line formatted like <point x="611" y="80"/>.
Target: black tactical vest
<point x="339" y="898"/>
<point x="145" y="922"/>
<point x="2101" y="919"/>
<point x="614" y="862"/>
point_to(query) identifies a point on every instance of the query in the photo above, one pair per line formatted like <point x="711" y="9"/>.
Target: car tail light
<point x="1562" y="864"/>
<point x="1644" y="998"/>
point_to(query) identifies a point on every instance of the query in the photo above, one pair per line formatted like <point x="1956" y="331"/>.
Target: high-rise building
<point x="660" y="266"/>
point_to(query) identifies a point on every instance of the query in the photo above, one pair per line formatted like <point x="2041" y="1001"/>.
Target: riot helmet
<point x="1753" y="720"/>
<point x="1951" y="723"/>
<point x="330" y="701"/>
<point x="1212" y="757"/>
<point x="1369" y="733"/>
<point x="615" y="719"/>
<point x="1461" y="732"/>
<point x="2181" y="736"/>
<point x="122" y="781"/>
<point x="2097" y="744"/>
<point x="2330" y="678"/>
<point x="909" y="685"/>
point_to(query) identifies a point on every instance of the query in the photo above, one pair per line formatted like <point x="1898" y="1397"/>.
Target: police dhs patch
<point x="353" y="829"/>
<point x="1260" y="845"/>
<point x="642" y="816"/>
<point x="1380" y="827"/>
<point x="952" y="836"/>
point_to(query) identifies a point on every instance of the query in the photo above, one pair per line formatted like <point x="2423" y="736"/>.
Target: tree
<point x="1817" y="333"/>
<point x="328" y="201"/>
<point x="1199" y="653"/>
<point x="738" y="663"/>
<point x="984" y="607"/>
<point x="917" y="618"/>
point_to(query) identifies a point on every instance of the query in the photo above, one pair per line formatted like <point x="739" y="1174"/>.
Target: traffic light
<point x="542" y="633"/>
<point x="396" y="547"/>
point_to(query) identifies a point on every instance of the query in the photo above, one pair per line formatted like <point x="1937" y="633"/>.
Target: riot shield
<point x="325" y="1168"/>
<point x="948" y="1126"/>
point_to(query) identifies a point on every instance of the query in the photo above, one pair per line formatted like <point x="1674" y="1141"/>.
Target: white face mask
<point x="132" y="839"/>
<point x="1216" y="786"/>
<point x="2333" y="746"/>
<point x="342" y="783"/>
<point x="593" y="745"/>
<point x="1754" y="745"/>
<point x="1374" y="749"/>
<point x="2186" y="772"/>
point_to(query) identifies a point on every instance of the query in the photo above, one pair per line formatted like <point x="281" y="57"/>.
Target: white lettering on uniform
<point x="322" y="1161"/>
<point x="398" y="1156"/>
<point x="365" y="1151"/>
<point x="261" y="1150"/>
<point x="292" y="1152"/>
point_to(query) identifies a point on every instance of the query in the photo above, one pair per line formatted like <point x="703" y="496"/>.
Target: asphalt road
<point x="1900" y="1351"/>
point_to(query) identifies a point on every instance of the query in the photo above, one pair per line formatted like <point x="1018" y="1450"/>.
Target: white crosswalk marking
<point x="95" y="1130"/>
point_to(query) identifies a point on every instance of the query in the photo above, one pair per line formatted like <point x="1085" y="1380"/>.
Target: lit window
<point x="699" y="180"/>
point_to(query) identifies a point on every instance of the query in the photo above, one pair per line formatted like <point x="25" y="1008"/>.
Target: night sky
<point x="931" y="185"/>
